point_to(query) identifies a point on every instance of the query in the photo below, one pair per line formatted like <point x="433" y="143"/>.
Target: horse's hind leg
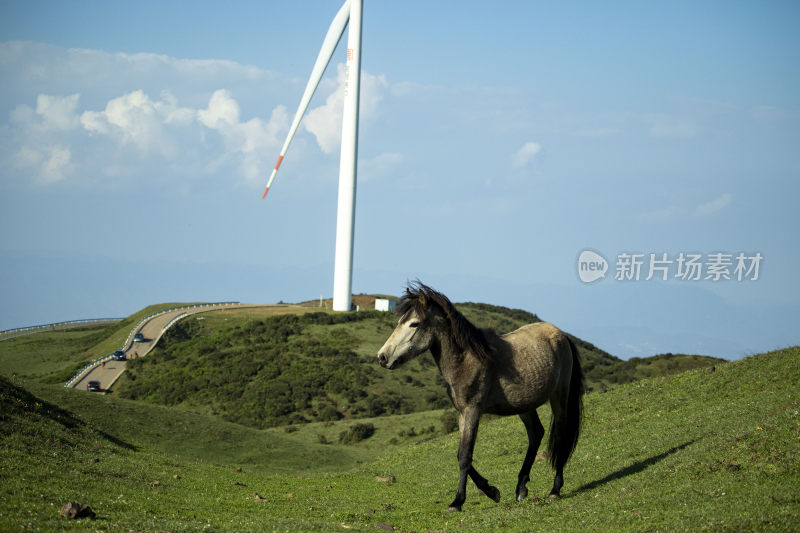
<point x="556" y="439"/>
<point x="535" y="433"/>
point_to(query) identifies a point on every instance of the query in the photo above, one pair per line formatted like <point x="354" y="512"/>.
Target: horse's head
<point x="425" y="317"/>
<point x="415" y="331"/>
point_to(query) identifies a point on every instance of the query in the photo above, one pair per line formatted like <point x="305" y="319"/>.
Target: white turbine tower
<point x="343" y="263"/>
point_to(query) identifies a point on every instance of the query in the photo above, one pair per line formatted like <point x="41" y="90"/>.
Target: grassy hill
<point x="55" y="356"/>
<point x="320" y="366"/>
<point x="697" y="450"/>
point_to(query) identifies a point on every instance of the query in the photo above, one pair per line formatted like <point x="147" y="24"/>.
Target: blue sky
<point x="497" y="142"/>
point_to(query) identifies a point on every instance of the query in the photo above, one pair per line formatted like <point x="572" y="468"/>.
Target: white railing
<point x="17" y="332"/>
<point x="136" y="328"/>
<point x="174" y="319"/>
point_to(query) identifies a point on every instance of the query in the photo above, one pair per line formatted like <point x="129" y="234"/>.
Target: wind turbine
<point x="343" y="263"/>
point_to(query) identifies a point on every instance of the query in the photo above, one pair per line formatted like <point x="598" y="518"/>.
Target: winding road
<point x="108" y="372"/>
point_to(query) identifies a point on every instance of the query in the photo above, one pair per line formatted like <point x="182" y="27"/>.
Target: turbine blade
<point x="272" y="176"/>
<point x="332" y="38"/>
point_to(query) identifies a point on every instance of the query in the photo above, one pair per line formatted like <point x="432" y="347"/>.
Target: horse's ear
<point x="423" y="300"/>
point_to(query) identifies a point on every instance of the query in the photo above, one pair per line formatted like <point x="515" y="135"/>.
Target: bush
<point x="437" y="400"/>
<point x="327" y="413"/>
<point x="356" y="433"/>
<point x="449" y="420"/>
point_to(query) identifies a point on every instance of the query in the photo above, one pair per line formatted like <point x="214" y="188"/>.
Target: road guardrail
<point x="18" y="332"/>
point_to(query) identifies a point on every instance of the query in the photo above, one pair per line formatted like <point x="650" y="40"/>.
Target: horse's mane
<point x="467" y="336"/>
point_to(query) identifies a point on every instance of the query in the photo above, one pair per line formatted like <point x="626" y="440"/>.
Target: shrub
<point x="326" y="413"/>
<point x="437" y="400"/>
<point x="356" y="433"/>
<point x="449" y="420"/>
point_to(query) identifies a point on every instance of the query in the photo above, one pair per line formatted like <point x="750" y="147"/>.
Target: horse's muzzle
<point x="384" y="361"/>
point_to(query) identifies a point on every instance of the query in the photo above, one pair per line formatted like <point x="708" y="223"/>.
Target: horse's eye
<point x="414" y="325"/>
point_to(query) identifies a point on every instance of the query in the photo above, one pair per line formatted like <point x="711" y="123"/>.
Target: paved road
<point x="152" y="330"/>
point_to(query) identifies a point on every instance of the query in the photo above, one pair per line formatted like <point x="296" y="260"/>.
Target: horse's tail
<point x="566" y="427"/>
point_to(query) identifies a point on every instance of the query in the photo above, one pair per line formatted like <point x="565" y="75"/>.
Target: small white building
<point x="384" y="304"/>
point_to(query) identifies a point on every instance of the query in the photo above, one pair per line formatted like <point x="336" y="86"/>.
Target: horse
<point x="512" y="374"/>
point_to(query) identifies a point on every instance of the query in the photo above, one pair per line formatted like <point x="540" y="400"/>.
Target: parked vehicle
<point x="93" y="386"/>
<point x="119" y="355"/>
<point x="138" y="338"/>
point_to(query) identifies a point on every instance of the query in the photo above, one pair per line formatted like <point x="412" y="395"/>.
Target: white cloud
<point x="56" y="164"/>
<point x="525" y="155"/>
<point x="39" y="146"/>
<point x="27" y="157"/>
<point x="714" y="206"/>
<point x="135" y="119"/>
<point x="94" y="121"/>
<point x="36" y="62"/>
<point x="325" y="121"/>
<point x="52" y="114"/>
<point x="253" y="143"/>
<point x="170" y="112"/>
<point x="222" y="111"/>
<point x="48" y="164"/>
<point x="123" y="124"/>
<point x="151" y="127"/>
<point x="58" y="113"/>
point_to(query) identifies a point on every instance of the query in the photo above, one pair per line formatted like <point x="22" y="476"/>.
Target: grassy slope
<point x="698" y="450"/>
<point x="54" y="356"/>
<point x="245" y="368"/>
<point x="196" y="436"/>
<point x="45" y="355"/>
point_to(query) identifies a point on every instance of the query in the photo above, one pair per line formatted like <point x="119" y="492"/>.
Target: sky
<point x="628" y="171"/>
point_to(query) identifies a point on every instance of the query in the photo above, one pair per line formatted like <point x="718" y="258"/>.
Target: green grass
<point x="696" y="451"/>
<point x="390" y="431"/>
<point x="196" y="436"/>
<point x="49" y="355"/>
<point x="274" y="367"/>
<point x="55" y="356"/>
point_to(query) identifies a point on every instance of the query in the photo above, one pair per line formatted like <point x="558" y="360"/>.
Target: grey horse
<point x="511" y="374"/>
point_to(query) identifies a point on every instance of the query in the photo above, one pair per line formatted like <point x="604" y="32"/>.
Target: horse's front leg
<point x="468" y="431"/>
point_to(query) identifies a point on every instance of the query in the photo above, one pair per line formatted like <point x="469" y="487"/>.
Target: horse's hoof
<point x="453" y="509"/>
<point x="494" y="494"/>
<point x="554" y="496"/>
<point x="522" y="494"/>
